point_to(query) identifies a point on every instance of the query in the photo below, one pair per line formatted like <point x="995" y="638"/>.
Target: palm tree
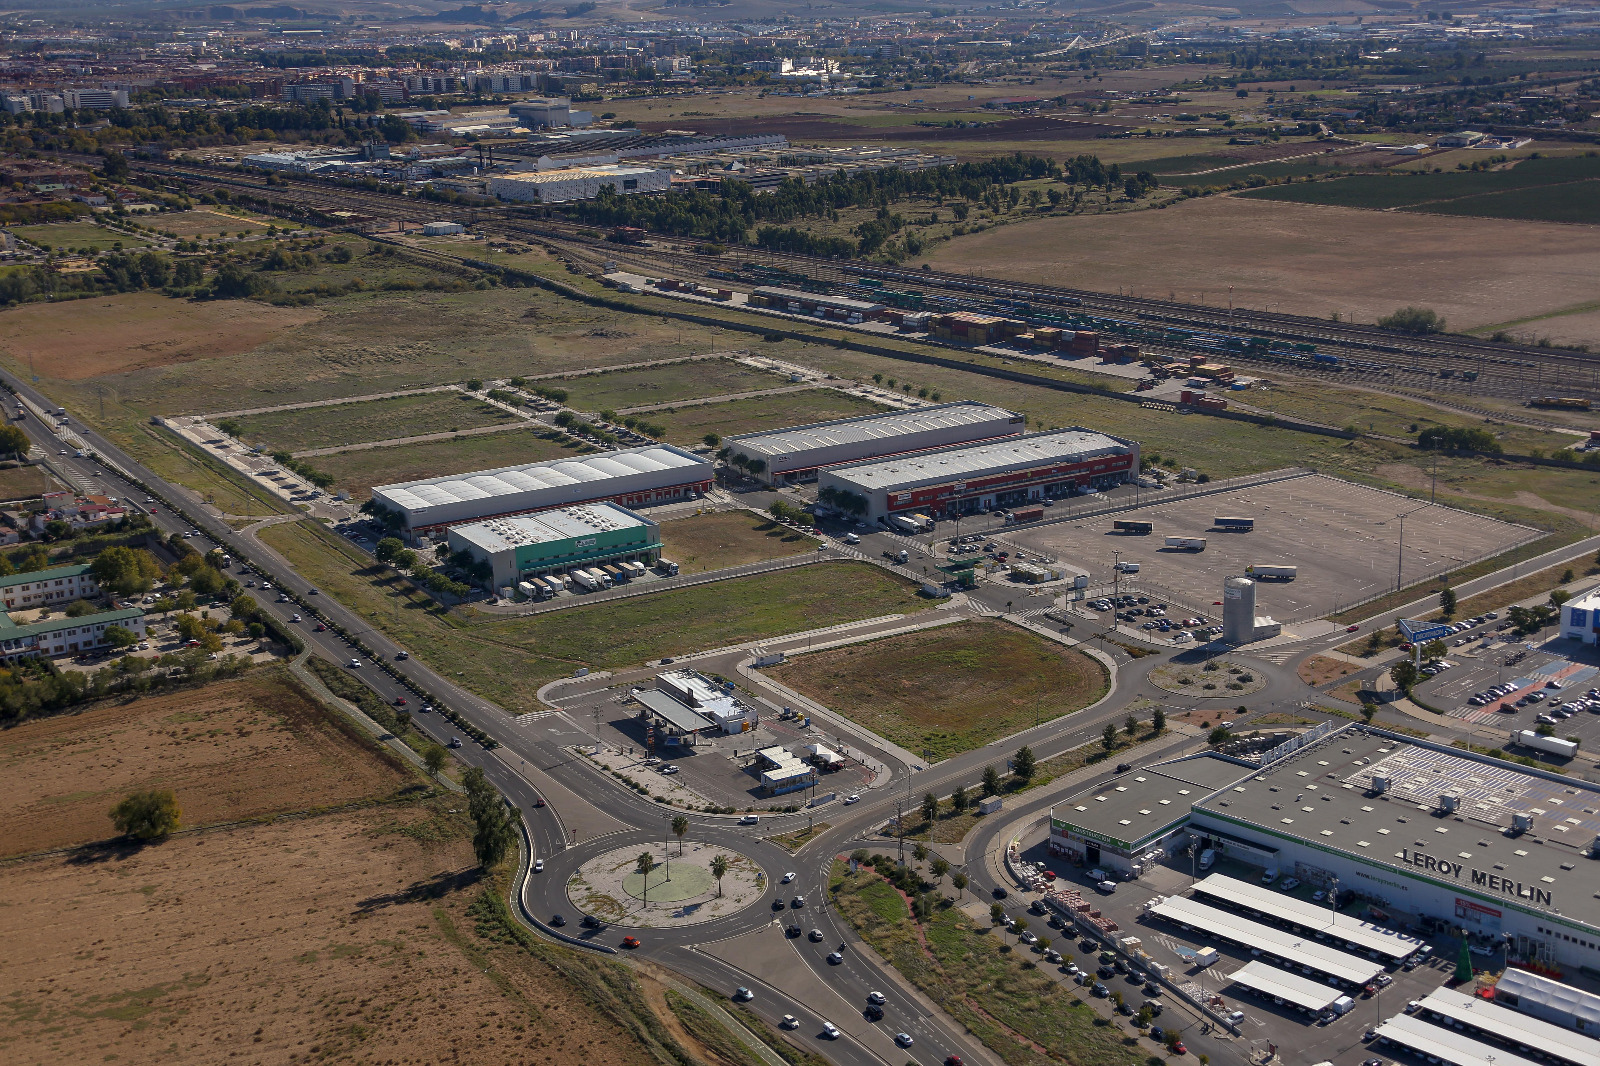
<point x="719" y="868"/>
<point x="680" y="826"/>
<point x="644" y="864"/>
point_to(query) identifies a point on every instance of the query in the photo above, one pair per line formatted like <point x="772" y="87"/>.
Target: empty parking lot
<point x="1344" y="538"/>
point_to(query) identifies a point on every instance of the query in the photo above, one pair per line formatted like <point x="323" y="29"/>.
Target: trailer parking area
<point x="1344" y="538"/>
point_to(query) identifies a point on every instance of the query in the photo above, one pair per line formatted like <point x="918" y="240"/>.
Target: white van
<point x="1207" y="857"/>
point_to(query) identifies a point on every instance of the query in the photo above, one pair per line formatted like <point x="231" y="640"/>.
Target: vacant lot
<point x="356" y="471"/>
<point x="205" y="224"/>
<point x="728" y="538"/>
<point x="354" y="423"/>
<point x="23" y="482"/>
<point x="952" y="688"/>
<point x="688" y="424"/>
<point x="507" y="660"/>
<point x="665" y="384"/>
<point x="1303" y="259"/>
<point x="82" y="339"/>
<point x="230" y="750"/>
<point x="361" y="936"/>
<point x="75" y="235"/>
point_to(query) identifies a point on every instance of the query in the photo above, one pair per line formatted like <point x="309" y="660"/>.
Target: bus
<point x="1242" y="525"/>
<point x="1126" y="526"/>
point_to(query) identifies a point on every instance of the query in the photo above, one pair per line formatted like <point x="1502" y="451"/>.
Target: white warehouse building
<point x="579" y="183"/>
<point x="1431" y="836"/>
<point x="997" y="473"/>
<point x="634" y="477"/>
<point x="797" y="452"/>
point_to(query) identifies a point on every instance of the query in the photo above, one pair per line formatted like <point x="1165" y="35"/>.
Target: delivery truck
<point x="587" y="581"/>
<point x="900" y="523"/>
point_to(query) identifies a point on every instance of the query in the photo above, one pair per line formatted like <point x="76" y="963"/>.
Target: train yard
<point x="1372" y="358"/>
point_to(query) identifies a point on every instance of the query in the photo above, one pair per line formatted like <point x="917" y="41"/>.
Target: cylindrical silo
<point x="1238" y="610"/>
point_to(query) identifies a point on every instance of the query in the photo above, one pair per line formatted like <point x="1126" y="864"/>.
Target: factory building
<point x="635" y="477"/>
<point x="550" y="542"/>
<point x="796" y="453"/>
<point x="579" y="183"/>
<point x="978" y="477"/>
<point x="1431" y="836"/>
<point x="1580" y="618"/>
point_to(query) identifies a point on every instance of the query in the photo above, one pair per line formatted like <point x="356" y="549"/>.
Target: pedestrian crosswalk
<point x="533" y="716"/>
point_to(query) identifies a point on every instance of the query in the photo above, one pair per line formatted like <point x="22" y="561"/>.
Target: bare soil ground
<point x="345" y="937"/>
<point x="1319" y="670"/>
<point x="23" y="482"/>
<point x="1307" y="260"/>
<point x="206" y="224"/>
<point x="728" y="538"/>
<point x="137" y="331"/>
<point x="234" y="749"/>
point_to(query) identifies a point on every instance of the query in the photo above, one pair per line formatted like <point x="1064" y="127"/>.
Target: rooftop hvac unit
<point x="1380" y="783"/>
<point x="1447" y="802"/>
<point x="1521" y="823"/>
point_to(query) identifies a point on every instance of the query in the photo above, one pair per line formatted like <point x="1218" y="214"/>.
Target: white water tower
<point x="1238" y="610"/>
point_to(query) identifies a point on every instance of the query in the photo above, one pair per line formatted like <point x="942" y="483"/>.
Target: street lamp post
<point x="1400" y="553"/>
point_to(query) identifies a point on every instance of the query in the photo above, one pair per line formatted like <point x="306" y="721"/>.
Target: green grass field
<point x="357" y="471"/>
<point x="355" y="423"/>
<point x="506" y="660"/>
<point x="950" y="689"/>
<point x="61" y="236"/>
<point x="1560" y="189"/>
<point x="665" y="384"/>
<point x="688" y="424"/>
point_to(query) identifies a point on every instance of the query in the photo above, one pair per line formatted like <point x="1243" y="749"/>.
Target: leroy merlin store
<point x="1432" y="835"/>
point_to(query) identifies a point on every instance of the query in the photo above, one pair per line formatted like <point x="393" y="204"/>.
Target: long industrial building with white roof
<point x="798" y="452"/>
<point x="998" y="473"/>
<point x="634" y="477"/>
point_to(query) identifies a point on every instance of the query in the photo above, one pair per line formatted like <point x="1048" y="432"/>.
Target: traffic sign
<point x="1420" y="632"/>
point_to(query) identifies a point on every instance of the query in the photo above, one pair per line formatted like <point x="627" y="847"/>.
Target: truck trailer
<point x="903" y="524"/>
<point x="1263" y="572"/>
<point x="1192" y="544"/>
<point x="1566" y="749"/>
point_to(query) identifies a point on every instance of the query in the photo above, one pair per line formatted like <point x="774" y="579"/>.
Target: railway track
<point x="1383" y="360"/>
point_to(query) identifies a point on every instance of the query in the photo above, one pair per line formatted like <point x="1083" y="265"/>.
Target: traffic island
<point x="678" y="889"/>
<point x="1214" y="677"/>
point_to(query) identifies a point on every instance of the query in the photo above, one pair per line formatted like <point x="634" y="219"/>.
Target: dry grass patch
<point x="686" y="425"/>
<point x="370" y="420"/>
<point x="357" y="471"/>
<point x="619" y="389"/>
<point x="242" y="748"/>
<point x="358" y="936"/>
<point x="81" y="339"/>
<point x="1319" y="670"/>
<point x="24" y="482"/>
<point x="729" y="538"/>
<point x="952" y="688"/>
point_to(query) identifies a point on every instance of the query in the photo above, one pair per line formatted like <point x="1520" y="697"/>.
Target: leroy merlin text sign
<point x="1504" y="886"/>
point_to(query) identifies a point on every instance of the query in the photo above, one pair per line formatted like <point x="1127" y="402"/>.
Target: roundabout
<point x="680" y="888"/>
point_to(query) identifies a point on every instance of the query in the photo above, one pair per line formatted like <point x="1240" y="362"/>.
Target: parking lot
<point x="1548" y="685"/>
<point x="1344" y="538"/>
<point x="1264" y="1021"/>
<point x="722" y="770"/>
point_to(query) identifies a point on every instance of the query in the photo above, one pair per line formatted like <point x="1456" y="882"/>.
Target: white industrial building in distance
<point x="579" y="183"/>
<point x="634" y="477"/>
<point x="797" y="452"/>
<point x="519" y="547"/>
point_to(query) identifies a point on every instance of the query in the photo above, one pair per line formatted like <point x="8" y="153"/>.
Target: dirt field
<point x="205" y="223"/>
<point x="230" y="750"/>
<point x="22" y="482"/>
<point x="728" y="538"/>
<point x="1306" y="260"/>
<point x="354" y="423"/>
<point x="357" y="471"/>
<point x="346" y="937"/>
<point x="137" y="331"/>
<point x="952" y="688"/>
<point x="1319" y="670"/>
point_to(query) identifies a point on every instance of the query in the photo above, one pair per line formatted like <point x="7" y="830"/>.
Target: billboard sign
<point x="1420" y="632"/>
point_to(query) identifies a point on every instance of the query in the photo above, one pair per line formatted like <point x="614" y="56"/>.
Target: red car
<point x="321" y="628"/>
<point x="1352" y="629"/>
<point x="630" y="941"/>
<point x="952" y="1060"/>
<point x="1178" y="1048"/>
<point x="1049" y="875"/>
<point x="400" y="701"/>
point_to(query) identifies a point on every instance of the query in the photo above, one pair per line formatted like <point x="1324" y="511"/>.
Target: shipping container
<point x="1123" y="525"/>
<point x="1272" y="573"/>
<point x="1196" y="544"/>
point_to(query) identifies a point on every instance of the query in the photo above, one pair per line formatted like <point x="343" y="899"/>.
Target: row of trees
<point x="390" y="550"/>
